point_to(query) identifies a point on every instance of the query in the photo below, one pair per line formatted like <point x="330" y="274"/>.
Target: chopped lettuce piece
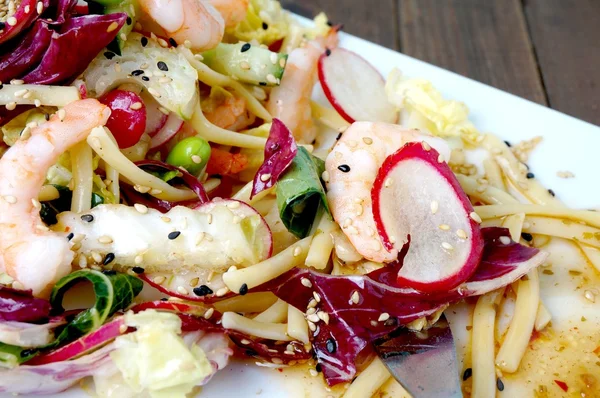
<point x="266" y="22"/>
<point x="12" y="130"/>
<point x="423" y="107"/>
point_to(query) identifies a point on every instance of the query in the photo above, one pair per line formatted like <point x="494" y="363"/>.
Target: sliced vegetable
<point x="171" y="126"/>
<point x="354" y="87"/>
<point x="23" y="19"/>
<point x="191" y="153"/>
<point x="129" y="7"/>
<point x="180" y="95"/>
<point x="12" y="356"/>
<point x="192" y="182"/>
<point x="364" y="308"/>
<point x="300" y="193"/>
<point x="60" y="63"/>
<point x="247" y="63"/>
<point x="280" y="151"/>
<point x="21" y="306"/>
<point x="114" y="291"/>
<point x="127" y="121"/>
<point x="266" y="22"/>
<point x="445" y="242"/>
<point x="225" y="163"/>
<point x="27" y="335"/>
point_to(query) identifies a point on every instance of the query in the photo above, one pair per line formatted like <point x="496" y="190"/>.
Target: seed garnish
<point x="174" y="235"/>
<point x="87" y="218"/>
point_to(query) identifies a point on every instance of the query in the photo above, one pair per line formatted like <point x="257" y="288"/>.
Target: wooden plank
<point x="566" y="37"/>
<point x="372" y="20"/>
<point x="482" y="39"/>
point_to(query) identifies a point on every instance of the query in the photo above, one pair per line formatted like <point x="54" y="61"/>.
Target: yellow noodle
<point x="251" y="302"/>
<point x="493" y="174"/>
<point x="328" y="116"/>
<point x="211" y="184"/>
<point x="369" y="380"/>
<point x="46" y="95"/>
<point x="244" y="194"/>
<point x="322" y="244"/>
<point x="271" y="268"/>
<point x="482" y="352"/>
<point x="110" y="153"/>
<point x="265" y="205"/>
<point x="542" y="317"/>
<point x="592" y="255"/>
<point x="562" y="229"/>
<point x="83" y="174"/>
<point x="271" y="331"/>
<point x="296" y="325"/>
<point x="591" y="218"/>
<point x="276" y="313"/>
<point x="514" y="223"/>
<point x="489" y="195"/>
<point x="519" y="332"/>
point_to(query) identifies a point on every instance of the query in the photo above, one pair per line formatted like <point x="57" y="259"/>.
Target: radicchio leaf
<point x="88" y="34"/>
<point x="192" y="182"/>
<point x="28" y="52"/>
<point x="25" y="15"/>
<point x="354" y="323"/>
<point x="280" y="151"/>
<point x="21" y="306"/>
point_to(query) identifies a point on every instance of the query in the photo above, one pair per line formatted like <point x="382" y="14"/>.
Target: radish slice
<point x="418" y="199"/>
<point x="354" y="87"/>
<point x="167" y="131"/>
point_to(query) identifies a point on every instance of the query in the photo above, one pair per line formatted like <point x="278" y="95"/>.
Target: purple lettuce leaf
<point x="21" y="306"/>
<point x="280" y="150"/>
<point x="26" y="14"/>
<point x="28" y="52"/>
<point x="72" y="49"/>
<point x="354" y="324"/>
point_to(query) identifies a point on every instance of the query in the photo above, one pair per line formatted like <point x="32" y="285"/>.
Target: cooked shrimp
<point x="352" y="167"/>
<point x="29" y="252"/>
<point x="290" y="101"/>
<point x="193" y="21"/>
<point x="233" y="11"/>
<point x="229" y="113"/>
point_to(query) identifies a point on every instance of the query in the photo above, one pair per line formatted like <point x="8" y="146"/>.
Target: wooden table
<point x="547" y="51"/>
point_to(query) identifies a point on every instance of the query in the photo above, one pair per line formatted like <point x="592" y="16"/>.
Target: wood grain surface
<point x="547" y="51"/>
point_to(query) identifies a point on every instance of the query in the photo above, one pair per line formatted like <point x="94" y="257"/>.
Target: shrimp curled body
<point x="352" y="167"/>
<point x="29" y="252"/>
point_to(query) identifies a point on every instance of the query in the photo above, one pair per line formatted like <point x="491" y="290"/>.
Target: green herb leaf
<point x="114" y="291"/>
<point x="166" y="176"/>
<point x="11" y="356"/>
<point x="300" y="193"/>
<point x="97" y="199"/>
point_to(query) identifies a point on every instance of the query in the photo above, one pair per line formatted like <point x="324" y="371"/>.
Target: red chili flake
<point x="563" y="386"/>
<point x="597" y="350"/>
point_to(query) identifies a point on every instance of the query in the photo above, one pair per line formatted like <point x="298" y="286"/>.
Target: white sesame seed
<point x="153" y="92"/>
<point x="82" y="261"/>
<point x="209" y="218"/>
<point x="17" y="82"/>
<point x="312" y="326"/>
<point x="196" y="159"/>
<point x="138" y="259"/>
<point x="388" y="182"/>
<point x="165" y="79"/>
<point x="271" y="78"/>
<point x="232" y="268"/>
<point x="182" y="290"/>
<point x="359" y="210"/>
<point x="323" y="316"/>
<point x="317" y="297"/>
<point x="37" y="103"/>
<point x="297" y="251"/>
<point x="273" y="58"/>
<point x="122" y="328"/>
<point x="123" y="36"/>
<point x="10" y="199"/>
<point x="187" y="44"/>
<point x="163" y="42"/>
<point x="383" y="317"/>
<point x="367" y="140"/>
<point x="12" y="21"/>
<point x="444" y="227"/>
<point x="155" y="191"/>
<point x="112" y="27"/>
<point x="61" y="114"/>
<point x="590" y="296"/>
<point x="447" y="246"/>
<point x="434" y="206"/>
<point x="475" y="217"/>
<point x="36" y="203"/>
<point x="352" y="143"/>
<point x="199" y="57"/>
<point x="352" y="230"/>
<point x="313" y="372"/>
<point x="425" y="146"/>
<point x="245" y="342"/>
<point x="105" y="239"/>
<point x="194" y="282"/>
<point x="39" y="7"/>
<point x="355" y="298"/>
<point x="265" y="177"/>
<point x="311" y="311"/>
<point x="325" y="176"/>
<point x="312" y="303"/>
<point x="159" y="280"/>
<point x="222" y="291"/>
<point x="97" y="257"/>
<point x="11" y="106"/>
<point x="314" y="318"/>
<point x="209" y="313"/>
<point x="20" y="93"/>
<point x="236" y="219"/>
<point x="77" y="238"/>
<point x="245" y="65"/>
<point x="505" y="240"/>
<point x="306" y="282"/>
<point x="392" y="239"/>
<point x="461" y="234"/>
<point x="141" y="208"/>
<point x="135" y="106"/>
<point x="347" y="222"/>
<point x="282" y="62"/>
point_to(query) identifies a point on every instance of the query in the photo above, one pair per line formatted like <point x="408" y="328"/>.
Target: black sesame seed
<point x="530" y="175"/>
<point x="109" y="55"/>
<point x="329" y="23"/>
<point x="507" y="144"/>
<point x="47" y="116"/>
<point x="26" y="353"/>
<point x="138" y="270"/>
<point x="2" y="25"/>
<point x="246" y="47"/>
<point x="162" y="66"/>
<point x="265" y="26"/>
<point x="251" y="353"/>
<point x="328" y="52"/>
<point x="145" y="78"/>
<point x="528" y="237"/>
<point x="344" y="168"/>
<point x="70" y="236"/>
<point x="137" y="72"/>
<point x="172" y="42"/>
<point x="331" y="346"/>
<point x="262" y="83"/>
<point x="499" y="384"/>
<point x="109" y="272"/>
<point x="144" y="41"/>
<point x="109" y="258"/>
<point x="318" y="368"/>
<point x="164" y="299"/>
<point x="243" y="289"/>
<point x="174" y="235"/>
<point x="338" y="137"/>
<point x="202" y="290"/>
<point x="87" y="218"/>
<point x="551" y="192"/>
<point x="468" y="373"/>
<point x="129" y="21"/>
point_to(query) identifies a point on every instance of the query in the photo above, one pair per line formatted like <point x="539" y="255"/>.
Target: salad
<point x="172" y="200"/>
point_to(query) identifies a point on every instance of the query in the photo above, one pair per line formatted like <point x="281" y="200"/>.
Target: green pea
<point x="191" y="153"/>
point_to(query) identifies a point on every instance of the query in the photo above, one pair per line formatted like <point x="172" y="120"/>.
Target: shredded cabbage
<point x="259" y="12"/>
<point x="12" y="130"/>
<point x="422" y="106"/>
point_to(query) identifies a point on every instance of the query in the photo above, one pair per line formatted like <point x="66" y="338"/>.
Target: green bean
<point x="191" y="153"/>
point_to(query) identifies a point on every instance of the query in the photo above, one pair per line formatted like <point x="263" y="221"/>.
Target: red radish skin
<point x="389" y="181"/>
<point x="172" y="125"/>
<point x="354" y="87"/>
<point x="127" y="121"/>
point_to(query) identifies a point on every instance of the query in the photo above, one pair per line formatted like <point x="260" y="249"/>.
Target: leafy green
<point x="114" y="291"/>
<point x="11" y="356"/>
<point x="51" y="208"/>
<point x="262" y="14"/>
<point x="166" y="175"/>
<point x="97" y="199"/>
<point x="300" y="193"/>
